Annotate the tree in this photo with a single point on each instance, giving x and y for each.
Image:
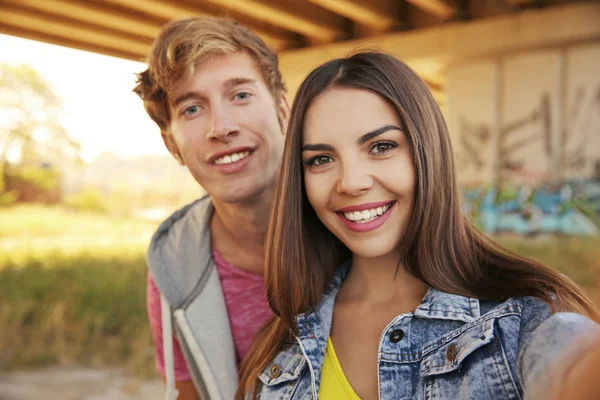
(30, 122)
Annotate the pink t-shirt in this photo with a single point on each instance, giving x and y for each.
(246, 305)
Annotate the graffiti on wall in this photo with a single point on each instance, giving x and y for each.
(517, 137)
(571, 208)
(472, 138)
(583, 124)
(529, 133)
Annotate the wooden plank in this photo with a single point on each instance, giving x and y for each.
(440, 8)
(62, 27)
(92, 13)
(519, 2)
(170, 11)
(46, 37)
(378, 15)
(298, 16)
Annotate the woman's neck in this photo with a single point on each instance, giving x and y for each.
(381, 280)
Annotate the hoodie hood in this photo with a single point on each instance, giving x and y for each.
(179, 252)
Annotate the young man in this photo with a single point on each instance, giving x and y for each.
(215, 91)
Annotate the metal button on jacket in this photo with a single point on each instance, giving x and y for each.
(452, 352)
(275, 371)
(396, 335)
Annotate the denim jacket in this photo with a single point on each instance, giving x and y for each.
(449, 347)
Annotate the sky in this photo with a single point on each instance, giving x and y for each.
(100, 109)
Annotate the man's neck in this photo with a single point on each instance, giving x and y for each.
(238, 232)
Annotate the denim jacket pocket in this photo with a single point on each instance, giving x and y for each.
(286, 367)
(456, 347)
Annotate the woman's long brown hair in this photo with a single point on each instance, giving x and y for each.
(441, 246)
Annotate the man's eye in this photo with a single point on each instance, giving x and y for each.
(383, 147)
(191, 110)
(242, 96)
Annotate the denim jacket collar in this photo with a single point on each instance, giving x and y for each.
(314, 327)
(441, 305)
(435, 305)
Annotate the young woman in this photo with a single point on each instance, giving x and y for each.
(382, 288)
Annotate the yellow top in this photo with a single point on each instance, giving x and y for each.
(334, 385)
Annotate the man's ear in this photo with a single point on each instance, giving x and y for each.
(172, 146)
(283, 112)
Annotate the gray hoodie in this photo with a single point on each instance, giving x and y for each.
(181, 262)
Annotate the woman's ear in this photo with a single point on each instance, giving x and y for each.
(170, 144)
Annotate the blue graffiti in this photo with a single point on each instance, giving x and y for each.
(571, 208)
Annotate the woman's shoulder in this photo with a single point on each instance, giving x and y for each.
(531, 312)
(538, 335)
(520, 317)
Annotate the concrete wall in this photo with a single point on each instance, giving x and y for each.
(525, 130)
(527, 118)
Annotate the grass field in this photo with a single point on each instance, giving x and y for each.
(72, 290)
(72, 286)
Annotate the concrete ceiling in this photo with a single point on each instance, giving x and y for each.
(428, 34)
(126, 28)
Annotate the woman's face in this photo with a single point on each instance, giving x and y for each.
(358, 169)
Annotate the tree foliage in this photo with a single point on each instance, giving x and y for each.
(30, 122)
(29, 108)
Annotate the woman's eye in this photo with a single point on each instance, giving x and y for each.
(191, 110)
(319, 160)
(380, 148)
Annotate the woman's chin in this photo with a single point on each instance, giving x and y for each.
(367, 251)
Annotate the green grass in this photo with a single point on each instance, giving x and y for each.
(74, 298)
(38, 223)
(72, 286)
(577, 257)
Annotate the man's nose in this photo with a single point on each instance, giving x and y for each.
(223, 125)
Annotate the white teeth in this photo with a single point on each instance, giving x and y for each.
(232, 158)
(366, 215)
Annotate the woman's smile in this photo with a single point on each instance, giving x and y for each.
(366, 217)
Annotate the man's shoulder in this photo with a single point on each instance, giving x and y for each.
(195, 209)
(179, 251)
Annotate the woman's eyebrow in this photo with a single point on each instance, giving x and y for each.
(317, 147)
(370, 135)
(361, 140)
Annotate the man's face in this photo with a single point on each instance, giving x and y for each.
(227, 128)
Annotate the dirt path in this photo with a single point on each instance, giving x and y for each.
(58, 383)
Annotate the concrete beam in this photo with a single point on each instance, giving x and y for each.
(15, 19)
(379, 15)
(300, 17)
(170, 11)
(92, 13)
(440, 8)
(430, 50)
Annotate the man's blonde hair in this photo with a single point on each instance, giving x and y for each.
(184, 43)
